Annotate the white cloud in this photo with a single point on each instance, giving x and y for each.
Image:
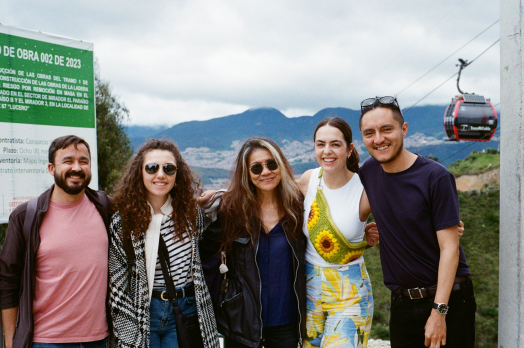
(170, 60)
(154, 110)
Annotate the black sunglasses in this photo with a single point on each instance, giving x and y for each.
(169, 169)
(257, 168)
(385, 101)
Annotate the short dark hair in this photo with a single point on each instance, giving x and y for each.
(63, 142)
(397, 113)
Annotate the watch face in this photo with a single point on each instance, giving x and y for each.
(442, 308)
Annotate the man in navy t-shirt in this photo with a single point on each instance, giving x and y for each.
(415, 205)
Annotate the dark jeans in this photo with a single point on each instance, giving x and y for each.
(408, 318)
(162, 328)
(283, 336)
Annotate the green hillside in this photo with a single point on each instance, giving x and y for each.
(476, 162)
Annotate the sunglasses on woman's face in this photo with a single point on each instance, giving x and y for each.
(168, 168)
(257, 168)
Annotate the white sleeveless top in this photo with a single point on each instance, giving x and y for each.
(344, 205)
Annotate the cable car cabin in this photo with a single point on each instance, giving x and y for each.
(470, 117)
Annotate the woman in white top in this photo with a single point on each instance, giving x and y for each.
(340, 300)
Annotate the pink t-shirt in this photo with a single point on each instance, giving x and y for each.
(71, 275)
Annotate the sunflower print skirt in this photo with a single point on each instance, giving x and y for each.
(339, 306)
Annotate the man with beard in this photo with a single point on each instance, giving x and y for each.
(415, 205)
(53, 272)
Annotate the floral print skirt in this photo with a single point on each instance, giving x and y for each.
(339, 306)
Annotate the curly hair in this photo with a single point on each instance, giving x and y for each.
(130, 193)
(240, 209)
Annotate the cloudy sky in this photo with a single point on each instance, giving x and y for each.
(175, 61)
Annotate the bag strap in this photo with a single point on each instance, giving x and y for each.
(130, 253)
(30, 214)
(102, 196)
(163, 254)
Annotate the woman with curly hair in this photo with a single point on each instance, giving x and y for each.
(262, 301)
(153, 246)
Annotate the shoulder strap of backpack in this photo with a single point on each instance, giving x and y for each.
(30, 214)
(102, 196)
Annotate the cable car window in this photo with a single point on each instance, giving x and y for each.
(475, 114)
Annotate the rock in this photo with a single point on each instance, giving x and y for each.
(378, 344)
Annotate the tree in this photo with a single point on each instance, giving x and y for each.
(432, 158)
(114, 147)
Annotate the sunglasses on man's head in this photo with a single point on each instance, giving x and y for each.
(385, 101)
(168, 168)
(257, 168)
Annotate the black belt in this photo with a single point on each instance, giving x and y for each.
(180, 293)
(418, 293)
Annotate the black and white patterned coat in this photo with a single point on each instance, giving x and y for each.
(129, 294)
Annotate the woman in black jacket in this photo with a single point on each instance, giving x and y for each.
(259, 227)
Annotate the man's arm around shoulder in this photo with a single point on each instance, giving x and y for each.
(449, 257)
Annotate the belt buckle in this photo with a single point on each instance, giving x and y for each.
(419, 292)
(162, 295)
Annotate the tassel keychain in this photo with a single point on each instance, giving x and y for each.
(223, 270)
(223, 267)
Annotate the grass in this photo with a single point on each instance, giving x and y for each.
(476, 163)
(480, 242)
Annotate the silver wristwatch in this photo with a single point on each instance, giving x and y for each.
(441, 308)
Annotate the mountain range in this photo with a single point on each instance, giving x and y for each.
(210, 146)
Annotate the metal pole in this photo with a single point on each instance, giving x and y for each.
(511, 274)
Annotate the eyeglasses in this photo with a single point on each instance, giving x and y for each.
(385, 101)
(257, 168)
(168, 168)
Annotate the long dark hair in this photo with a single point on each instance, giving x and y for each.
(240, 208)
(130, 193)
(353, 160)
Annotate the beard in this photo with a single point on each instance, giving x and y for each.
(74, 189)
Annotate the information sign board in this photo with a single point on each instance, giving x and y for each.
(46, 91)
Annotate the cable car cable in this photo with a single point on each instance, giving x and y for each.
(430, 70)
(405, 50)
(455, 74)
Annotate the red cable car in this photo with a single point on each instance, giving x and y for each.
(469, 116)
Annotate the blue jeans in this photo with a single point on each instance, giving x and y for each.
(408, 318)
(282, 336)
(94, 344)
(162, 328)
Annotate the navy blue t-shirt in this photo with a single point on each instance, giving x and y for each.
(275, 263)
(409, 207)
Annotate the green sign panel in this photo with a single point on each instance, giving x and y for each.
(44, 83)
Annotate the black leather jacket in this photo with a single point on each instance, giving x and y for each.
(239, 311)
